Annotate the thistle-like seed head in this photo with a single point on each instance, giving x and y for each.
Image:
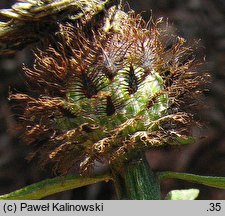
(105, 94)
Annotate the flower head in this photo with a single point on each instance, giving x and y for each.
(104, 94)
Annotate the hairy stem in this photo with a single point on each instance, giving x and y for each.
(138, 182)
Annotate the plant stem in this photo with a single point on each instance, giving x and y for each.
(51, 186)
(138, 182)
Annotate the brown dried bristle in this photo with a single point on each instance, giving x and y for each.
(103, 95)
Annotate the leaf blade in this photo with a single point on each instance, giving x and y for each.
(211, 181)
(51, 186)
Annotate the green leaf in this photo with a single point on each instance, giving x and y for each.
(189, 194)
(211, 181)
(51, 186)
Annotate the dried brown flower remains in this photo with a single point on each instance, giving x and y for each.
(104, 94)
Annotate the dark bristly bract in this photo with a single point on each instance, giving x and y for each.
(107, 93)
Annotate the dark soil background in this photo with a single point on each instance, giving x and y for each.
(192, 19)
